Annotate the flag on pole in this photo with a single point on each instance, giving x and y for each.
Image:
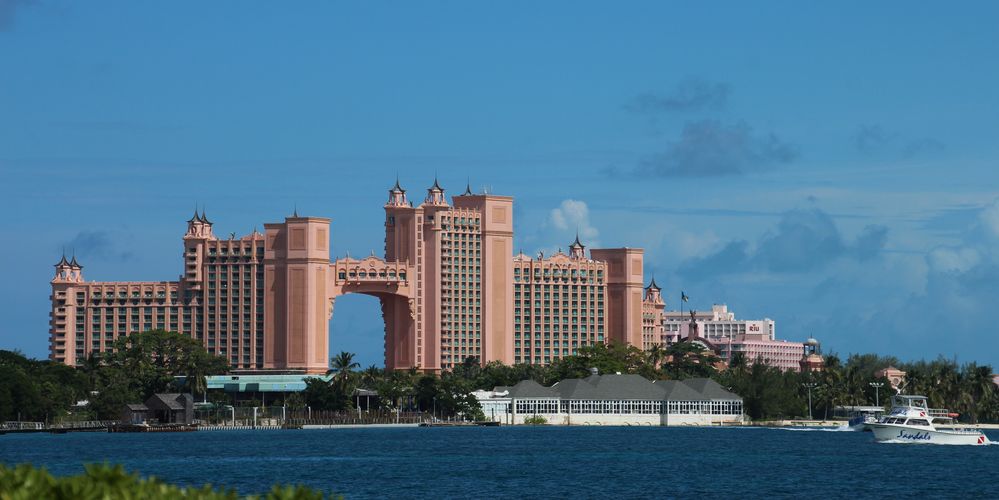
(684, 297)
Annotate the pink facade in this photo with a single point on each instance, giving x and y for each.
(449, 284)
(559, 305)
(755, 340)
(218, 300)
(782, 354)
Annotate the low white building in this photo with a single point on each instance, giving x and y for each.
(614, 400)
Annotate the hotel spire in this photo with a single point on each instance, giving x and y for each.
(397, 195)
(577, 250)
(435, 195)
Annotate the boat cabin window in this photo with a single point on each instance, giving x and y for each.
(918, 421)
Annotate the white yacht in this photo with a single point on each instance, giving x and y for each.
(910, 421)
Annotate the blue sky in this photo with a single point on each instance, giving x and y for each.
(832, 167)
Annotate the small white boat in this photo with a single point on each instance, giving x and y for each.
(858, 416)
(910, 421)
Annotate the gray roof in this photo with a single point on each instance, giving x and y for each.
(709, 389)
(623, 387)
(137, 407)
(575, 388)
(170, 400)
(531, 389)
(678, 391)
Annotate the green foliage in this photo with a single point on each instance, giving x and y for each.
(295, 401)
(153, 358)
(146, 363)
(767, 392)
(325, 396)
(37, 390)
(105, 481)
(535, 420)
(140, 365)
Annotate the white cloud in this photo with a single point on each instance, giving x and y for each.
(953, 259)
(989, 218)
(562, 224)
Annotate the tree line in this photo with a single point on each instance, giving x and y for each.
(137, 367)
(143, 364)
(768, 393)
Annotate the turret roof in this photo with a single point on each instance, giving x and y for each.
(397, 188)
(653, 285)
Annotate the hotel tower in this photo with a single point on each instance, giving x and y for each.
(449, 284)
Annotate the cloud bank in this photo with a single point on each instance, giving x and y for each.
(710, 148)
(96, 245)
(874, 140)
(688, 96)
(803, 241)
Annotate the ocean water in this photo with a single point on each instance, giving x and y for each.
(535, 462)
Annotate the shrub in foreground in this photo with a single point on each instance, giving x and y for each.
(25, 482)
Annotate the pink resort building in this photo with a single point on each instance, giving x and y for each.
(755, 340)
(449, 283)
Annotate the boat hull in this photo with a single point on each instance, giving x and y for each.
(907, 434)
(860, 423)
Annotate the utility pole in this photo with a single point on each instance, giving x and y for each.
(809, 386)
(877, 389)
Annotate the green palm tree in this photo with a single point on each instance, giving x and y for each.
(195, 379)
(342, 366)
(370, 375)
(90, 366)
(655, 355)
(980, 388)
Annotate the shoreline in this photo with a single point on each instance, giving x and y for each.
(816, 424)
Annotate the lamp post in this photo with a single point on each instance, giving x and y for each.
(809, 386)
(877, 389)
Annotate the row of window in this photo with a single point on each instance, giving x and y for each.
(235, 251)
(611, 407)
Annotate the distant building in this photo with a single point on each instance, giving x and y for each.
(266, 388)
(169, 408)
(495, 403)
(614, 400)
(812, 360)
(718, 329)
(895, 376)
(451, 287)
(717, 325)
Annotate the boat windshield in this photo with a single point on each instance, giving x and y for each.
(918, 421)
(910, 401)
